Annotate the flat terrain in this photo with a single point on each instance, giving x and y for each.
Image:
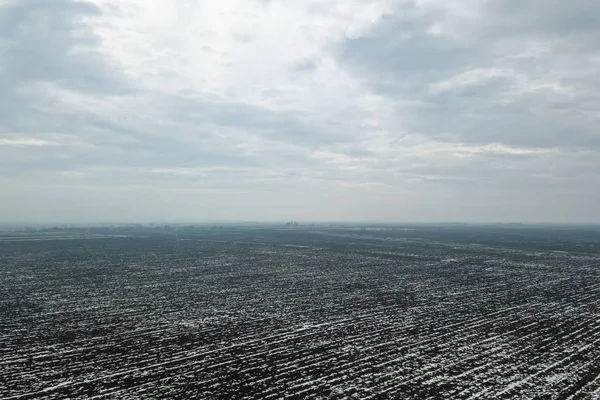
(297, 314)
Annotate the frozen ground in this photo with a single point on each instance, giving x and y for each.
(288, 314)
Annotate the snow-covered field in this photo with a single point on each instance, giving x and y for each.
(296, 315)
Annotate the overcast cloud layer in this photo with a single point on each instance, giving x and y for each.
(188, 110)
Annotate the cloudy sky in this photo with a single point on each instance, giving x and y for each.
(400, 110)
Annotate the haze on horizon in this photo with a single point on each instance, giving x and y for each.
(343, 110)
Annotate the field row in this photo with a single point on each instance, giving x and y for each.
(337, 317)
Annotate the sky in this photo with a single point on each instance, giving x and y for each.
(267, 110)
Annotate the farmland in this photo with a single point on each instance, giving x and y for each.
(272, 314)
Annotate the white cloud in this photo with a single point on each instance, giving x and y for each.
(469, 78)
(23, 142)
(333, 101)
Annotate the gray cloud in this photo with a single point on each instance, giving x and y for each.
(520, 73)
(48, 42)
(306, 65)
(383, 109)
